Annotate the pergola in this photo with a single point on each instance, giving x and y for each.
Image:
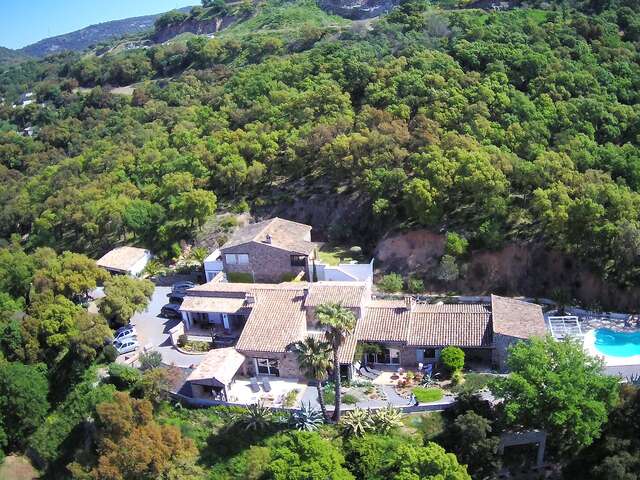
(215, 373)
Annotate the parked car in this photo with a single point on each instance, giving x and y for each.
(127, 332)
(182, 286)
(127, 345)
(171, 310)
(177, 300)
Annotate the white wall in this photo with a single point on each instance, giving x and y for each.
(345, 272)
(213, 265)
(140, 265)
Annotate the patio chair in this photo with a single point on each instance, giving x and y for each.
(266, 386)
(255, 388)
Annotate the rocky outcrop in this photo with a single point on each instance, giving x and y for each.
(358, 9)
(198, 27)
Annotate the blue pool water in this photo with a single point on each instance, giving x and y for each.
(617, 344)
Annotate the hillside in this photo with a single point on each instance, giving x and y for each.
(473, 123)
(10, 57)
(80, 40)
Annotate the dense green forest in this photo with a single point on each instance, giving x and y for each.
(522, 125)
(517, 125)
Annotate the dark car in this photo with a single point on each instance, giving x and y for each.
(171, 310)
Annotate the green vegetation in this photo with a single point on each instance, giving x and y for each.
(125, 296)
(473, 382)
(239, 277)
(559, 387)
(338, 322)
(427, 394)
(519, 126)
(391, 283)
(452, 359)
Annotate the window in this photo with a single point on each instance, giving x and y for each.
(429, 353)
(236, 258)
(267, 366)
(298, 260)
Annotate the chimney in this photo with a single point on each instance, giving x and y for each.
(268, 238)
(409, 303)
(305, 292)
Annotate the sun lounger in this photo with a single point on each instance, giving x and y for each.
(255, 388)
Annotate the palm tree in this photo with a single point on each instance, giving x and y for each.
(339, 322)
(314, 358)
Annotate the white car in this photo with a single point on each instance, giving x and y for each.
(127, 345)
(124, 333)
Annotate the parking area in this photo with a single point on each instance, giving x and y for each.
(153, 331)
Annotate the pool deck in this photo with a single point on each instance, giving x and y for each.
(622, 366)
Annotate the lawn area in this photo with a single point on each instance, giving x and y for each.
(336, 254)
(472, 382)
(17, 467)
(427, 395)
(428, 425)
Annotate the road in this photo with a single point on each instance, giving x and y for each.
(153, 331)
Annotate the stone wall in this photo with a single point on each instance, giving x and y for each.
(287, 363)
(266, 263)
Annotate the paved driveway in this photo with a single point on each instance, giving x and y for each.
(153, 331)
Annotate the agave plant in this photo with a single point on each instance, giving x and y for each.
(356, 422)
(634, 379)
(386, 419)
(255, 417)
(307, 418)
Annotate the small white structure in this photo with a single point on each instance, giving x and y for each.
(125, 260)
(213, 264)
(565, 326)
(344, 272)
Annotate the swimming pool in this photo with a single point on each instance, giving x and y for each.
(617, 344)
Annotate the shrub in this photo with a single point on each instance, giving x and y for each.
(427, 395)
(60, 427)
(448, 270)
(457, 378)
(415, 285)
(123, 376)
(149, 360)
(391, 283)
(109, 354)
(349, 399)
(452, 358)
(182, 340)
(290, 398)
(239, 277)
(455, 245)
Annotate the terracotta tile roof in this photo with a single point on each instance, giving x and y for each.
(459, 329)
(122, 258)
(284, 234)
(347, 350)
(516, 318)
(347, 294)
(384, 323)
(212, 304)
(463, 325)
(217, 367)
(276, 321)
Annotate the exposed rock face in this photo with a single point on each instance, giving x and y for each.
(193, 26)
(358, 9)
